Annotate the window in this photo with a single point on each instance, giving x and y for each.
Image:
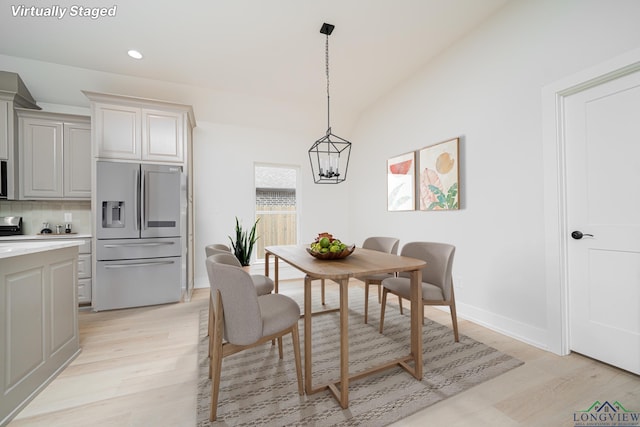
(276, 206)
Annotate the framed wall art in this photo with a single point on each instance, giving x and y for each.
(439, 176)
(401, 178)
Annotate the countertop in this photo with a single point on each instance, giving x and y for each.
(27, 237)
(11, 249)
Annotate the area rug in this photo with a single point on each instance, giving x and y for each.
(257, 388)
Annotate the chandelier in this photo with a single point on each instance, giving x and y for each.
(329, 155)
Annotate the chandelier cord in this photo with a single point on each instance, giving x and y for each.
(327, 71)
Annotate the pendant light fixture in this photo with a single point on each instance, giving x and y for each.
(329, 155)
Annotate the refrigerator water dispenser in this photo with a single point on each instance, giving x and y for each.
(113, 214)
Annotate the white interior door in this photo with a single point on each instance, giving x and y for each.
(602, 131)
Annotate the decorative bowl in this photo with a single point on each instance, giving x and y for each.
(333, 255)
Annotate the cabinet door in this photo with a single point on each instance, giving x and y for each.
(162, 135)
(84, 291)
(117, 131)
(41, 158)
(4, 130)
(77, 160)
(84, 266)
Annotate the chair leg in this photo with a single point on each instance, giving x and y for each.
(280, 354)
(215, 366)
(366, 301)
(379, 293)
(210, 324)
(400, 303)
(210, 327)
(212, 331)
(322, 290)
(382, 305)
(296, 354)
(454, 317)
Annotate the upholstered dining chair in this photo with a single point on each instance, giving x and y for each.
(210, 249)
(244, 320)
(437, 279)
(383, 244)
(264, 285)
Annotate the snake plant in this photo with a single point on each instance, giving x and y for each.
(243, 244)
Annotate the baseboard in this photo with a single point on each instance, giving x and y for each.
(512, 328)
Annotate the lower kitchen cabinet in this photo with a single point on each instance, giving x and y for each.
(38, 323)
(84, 273)
(85, 264)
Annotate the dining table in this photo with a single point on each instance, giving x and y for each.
(362, 262)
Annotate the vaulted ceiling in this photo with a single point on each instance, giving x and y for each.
(264, 48)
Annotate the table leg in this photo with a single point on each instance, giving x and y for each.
(417, 315)
(266, 263)
(307, 335)
(276, 279)
(344, 343)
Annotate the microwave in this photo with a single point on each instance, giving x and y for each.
(3, 179)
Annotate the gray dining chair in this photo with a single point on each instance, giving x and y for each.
(437, 279)
(245, 320)
(264, 285)
(383, 244)
(210, 249)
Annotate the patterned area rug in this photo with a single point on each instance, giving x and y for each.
(257, 388)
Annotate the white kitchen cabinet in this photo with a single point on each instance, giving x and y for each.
(77, 160)
(38, 322)
(162, 135)
(85, 258)
(85, 266)
(55, 155)
(117, 131)
(138, 129)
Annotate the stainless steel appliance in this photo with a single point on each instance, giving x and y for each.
(140, 246)
(10, 225)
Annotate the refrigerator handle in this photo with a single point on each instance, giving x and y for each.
(137, 202)
(144, 198)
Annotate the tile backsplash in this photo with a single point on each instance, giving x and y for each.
(34, 213)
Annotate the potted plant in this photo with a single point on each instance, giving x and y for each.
(242, 246)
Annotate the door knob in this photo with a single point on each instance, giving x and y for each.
(579, 235)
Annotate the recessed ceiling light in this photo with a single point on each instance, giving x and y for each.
(134, 54)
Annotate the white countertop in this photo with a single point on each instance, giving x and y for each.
(52, 236)
(11, 249)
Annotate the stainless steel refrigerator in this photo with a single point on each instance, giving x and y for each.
(140, 231)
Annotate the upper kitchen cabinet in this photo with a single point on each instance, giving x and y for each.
(13, 94)
(117, 131)
(129, 128)
(55, 155)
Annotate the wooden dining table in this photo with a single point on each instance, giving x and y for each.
(361, 262)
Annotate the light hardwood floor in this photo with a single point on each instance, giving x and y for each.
(138, 368)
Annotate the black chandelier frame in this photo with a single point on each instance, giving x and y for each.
(327, 154)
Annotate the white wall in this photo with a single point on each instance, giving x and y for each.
(224, 161)
(487, 89)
